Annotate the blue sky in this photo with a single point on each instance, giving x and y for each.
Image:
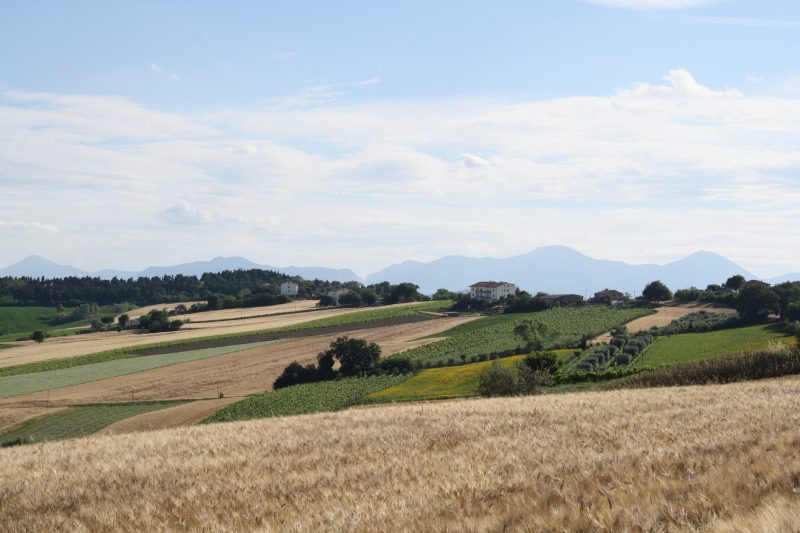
(358, 134)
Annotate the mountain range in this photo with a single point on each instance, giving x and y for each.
(551, 269)
(36, 266)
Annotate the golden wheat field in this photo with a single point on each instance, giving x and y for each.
(723, 457)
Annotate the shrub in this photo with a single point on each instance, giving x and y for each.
(546, 361)
(39, 336)
(497, 380)
(623, 359)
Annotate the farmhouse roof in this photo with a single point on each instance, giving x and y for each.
(489, 284)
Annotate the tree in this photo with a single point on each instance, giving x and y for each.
(535, 334)
(39, 336)
(404, 292)
(294, 374)
(756, 301)
(356, 356)
(444, 294)
(350, 299)
(123, 320)
(655, 291)
(734, 283)
(498, 380)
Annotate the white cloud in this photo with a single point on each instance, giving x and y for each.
(644, 174)
(21, 225)
(185, 213)
(653, 4)
(159, 69)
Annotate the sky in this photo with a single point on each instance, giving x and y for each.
(360, 134)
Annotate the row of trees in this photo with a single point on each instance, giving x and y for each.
(754, 300)
(355, 357)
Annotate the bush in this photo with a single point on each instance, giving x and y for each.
(623, 359)
(497, 380)
(39, 336)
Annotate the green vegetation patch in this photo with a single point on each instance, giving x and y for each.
(78, 421)
(54, 379)
(495, 335)
(19, 321)
(689, 347)
(439, 383)
(306, 398)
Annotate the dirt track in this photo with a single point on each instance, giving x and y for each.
(235, 375)
(663, 316)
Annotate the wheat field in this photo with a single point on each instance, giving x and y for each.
(719, 458)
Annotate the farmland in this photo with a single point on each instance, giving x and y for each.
(78, 421)
(122, 343)
(690, 347)
(40, 381)
(676, 459)
(239, 373)
(439, 383)
(19, 321)
(496, 334)
(307, 398)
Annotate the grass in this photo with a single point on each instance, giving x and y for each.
(493, 335)
(19, 321)
(79, 421)
(439, 383)
(27, 383)
(367, 316)
(306, 398)
(668, 459)
(688, 347)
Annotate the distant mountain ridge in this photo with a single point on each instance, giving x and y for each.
(552, 269)
(560, 269)
(37, 266)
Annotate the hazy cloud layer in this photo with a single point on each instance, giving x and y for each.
(650, 173)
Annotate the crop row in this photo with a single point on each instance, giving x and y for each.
(306, 398)
(568, 326)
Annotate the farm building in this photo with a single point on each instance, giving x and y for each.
(563, 299)
(336, 293)
(608, 295)
(491, 291)
(289, 288)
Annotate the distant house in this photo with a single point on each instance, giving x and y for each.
(337, 293)
(289, 289)
(608, 296)
(491, 291)
(563, 299)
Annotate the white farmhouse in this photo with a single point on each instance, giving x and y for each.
(336, 293)
(491, 291)
(289, 289)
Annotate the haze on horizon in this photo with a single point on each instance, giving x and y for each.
(357, 136)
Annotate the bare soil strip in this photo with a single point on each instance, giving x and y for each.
(235, 375)
(60, 347)
(677, 459)
(181, 415)
(664, 315)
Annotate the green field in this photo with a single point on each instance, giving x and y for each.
(79, 421)
(688, 347)
(54, 379)
(306, 398)
(495, 334)
(363, 317)
(20, 321)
